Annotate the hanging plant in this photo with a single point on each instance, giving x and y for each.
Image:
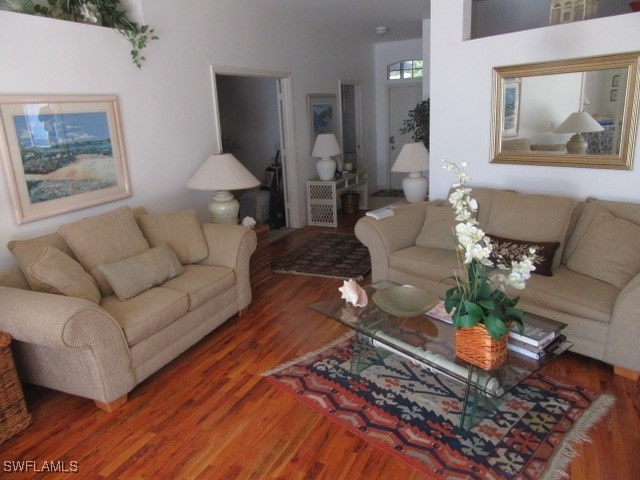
(100, 12)
(418, 123)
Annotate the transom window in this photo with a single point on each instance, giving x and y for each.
(405, 69)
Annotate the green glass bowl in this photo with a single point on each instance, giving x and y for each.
(404, 301)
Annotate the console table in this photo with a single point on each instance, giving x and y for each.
(322, 197)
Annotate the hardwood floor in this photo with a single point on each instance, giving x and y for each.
(210, 415)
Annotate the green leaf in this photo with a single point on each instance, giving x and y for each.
(495, 326)
(465, 321)
(474, 311)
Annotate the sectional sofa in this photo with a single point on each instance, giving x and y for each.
(98, 306)
(590, 272)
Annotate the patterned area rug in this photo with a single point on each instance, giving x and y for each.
(327, 255)
(411, 413)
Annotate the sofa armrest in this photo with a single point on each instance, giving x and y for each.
(57, 323)
(232, 246)
(390, 234)
(624, 332)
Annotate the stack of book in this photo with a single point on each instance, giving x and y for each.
(540, 336)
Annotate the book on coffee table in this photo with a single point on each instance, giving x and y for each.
(538, 331)
(534, 352)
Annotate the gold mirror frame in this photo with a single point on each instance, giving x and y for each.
(622, 161)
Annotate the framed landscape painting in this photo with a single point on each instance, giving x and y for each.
(61, 154)
(321, 109)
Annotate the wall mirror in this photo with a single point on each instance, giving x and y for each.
(573, 113)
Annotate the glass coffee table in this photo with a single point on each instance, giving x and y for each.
(430, 343)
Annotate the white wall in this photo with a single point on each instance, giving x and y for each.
(166, 108)
(461, 100)
(386, 54)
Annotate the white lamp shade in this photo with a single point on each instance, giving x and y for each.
(579, 122)
(413, 157)
(222, 172)
(326, 145)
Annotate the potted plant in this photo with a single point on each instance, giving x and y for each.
(418, 123)
(482, 309)
(100, 12)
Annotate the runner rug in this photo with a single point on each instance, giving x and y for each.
(411, 413)
(327, 255)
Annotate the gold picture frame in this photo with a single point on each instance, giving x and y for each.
(61, 153)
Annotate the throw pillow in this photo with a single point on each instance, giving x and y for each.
(507, 249)
(63, 275)
(608, 250)
(136, 274)
(28, 251)
(104, 239)
(438, 230)
(538, 218)
(181, 230)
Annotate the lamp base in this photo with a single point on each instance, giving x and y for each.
(577, 144)
(224, 208)
(326, 168)
(415, 187)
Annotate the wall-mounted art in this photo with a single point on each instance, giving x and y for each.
(61, 153)
(321, 109)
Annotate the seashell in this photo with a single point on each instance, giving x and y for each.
(353, 293)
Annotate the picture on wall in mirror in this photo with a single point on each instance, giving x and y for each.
(511, 107)
(61, 154)
(321, 110)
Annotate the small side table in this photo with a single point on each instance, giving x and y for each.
(13, 411)
(260, 263)
(322, 197)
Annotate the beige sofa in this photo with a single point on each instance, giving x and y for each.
(106, 301)
(594, 285)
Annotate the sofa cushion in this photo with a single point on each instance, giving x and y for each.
(104, 239)
(201, 283)
(63, 275)
(507, 250)
(134, 275)
(145, 314)
(608, 250)
(435, 264)
(572, 293)
(28, 251)
(534, 218)
(181, 230)
(623, 210)
(438, 230)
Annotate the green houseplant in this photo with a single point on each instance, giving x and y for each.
(102, 12)
(418, 123)
(479, 297)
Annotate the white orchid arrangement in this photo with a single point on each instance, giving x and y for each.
(474, 298)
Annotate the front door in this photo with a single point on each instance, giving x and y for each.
(402, 99)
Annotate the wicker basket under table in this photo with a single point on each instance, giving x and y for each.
(13, 411)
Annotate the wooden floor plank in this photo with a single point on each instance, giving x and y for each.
(210, 414)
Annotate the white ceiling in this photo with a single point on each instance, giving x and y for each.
(358, 17)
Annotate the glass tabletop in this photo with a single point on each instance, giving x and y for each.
(430, 342)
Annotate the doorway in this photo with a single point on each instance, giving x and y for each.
(351, 123)
(254, 121)
(402, 99)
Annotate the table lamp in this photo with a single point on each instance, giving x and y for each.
(325, 147)
(413, 159)
(221, 173)
(577, 123)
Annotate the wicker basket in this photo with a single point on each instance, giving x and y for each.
(475, 345)
(13, 412)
